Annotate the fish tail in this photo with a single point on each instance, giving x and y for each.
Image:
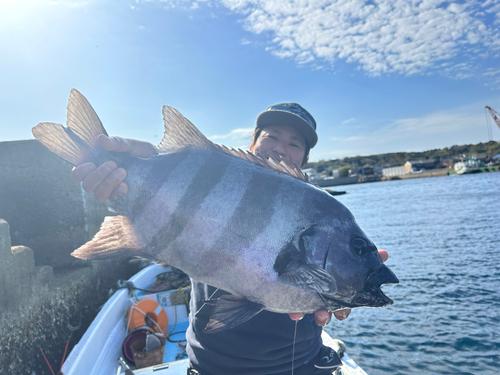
(115, 238)
(76, 143)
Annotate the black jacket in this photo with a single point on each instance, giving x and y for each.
(260, 346)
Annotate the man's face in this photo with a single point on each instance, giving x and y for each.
(281, 140)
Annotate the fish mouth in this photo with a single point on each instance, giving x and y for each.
(370, 296)
(383, 275)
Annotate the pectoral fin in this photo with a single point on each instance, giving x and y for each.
(293, 269)
(308, 276)
(231, 311)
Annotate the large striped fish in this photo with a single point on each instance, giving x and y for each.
(245, 224)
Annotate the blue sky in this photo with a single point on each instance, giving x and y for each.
(378, 76)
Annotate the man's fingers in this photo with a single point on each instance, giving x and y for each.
(342, 314)
(384, 255)
(106, 188)
(106, 181)
(322, 317)
(131, 146)
(142, 149)
(116, 144)
(296, 316)
(81, 171)
(95, 178)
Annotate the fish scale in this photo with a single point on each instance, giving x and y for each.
(253, 227)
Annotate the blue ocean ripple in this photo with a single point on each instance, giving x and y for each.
(444, 245)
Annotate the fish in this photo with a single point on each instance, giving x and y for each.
(248, 224)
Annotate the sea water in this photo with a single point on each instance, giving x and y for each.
(443, 239)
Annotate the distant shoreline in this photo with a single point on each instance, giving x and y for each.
(329, 182)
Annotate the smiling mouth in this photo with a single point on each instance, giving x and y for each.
(276, 157)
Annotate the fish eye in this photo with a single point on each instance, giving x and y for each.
(360, 246)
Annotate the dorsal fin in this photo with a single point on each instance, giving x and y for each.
(180, 133)
(269, 163)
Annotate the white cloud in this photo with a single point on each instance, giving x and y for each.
(348, 120)
(237, 138)
(378, 36)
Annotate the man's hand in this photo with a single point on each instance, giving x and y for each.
(323, 317)
(106, 181)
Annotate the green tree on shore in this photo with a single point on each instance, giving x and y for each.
(490, 148)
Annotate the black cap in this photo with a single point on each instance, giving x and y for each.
(291, 114)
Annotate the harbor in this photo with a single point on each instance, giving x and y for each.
(330, 177)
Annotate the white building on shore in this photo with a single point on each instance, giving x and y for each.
(393, 171)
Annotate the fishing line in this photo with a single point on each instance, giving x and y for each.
(293, 346)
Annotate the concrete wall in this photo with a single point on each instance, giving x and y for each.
(431, 173)
(46, 209)
(43, 288)
(336, 181)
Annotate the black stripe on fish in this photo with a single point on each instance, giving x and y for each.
(254, 213)
(201, 185)
(161, 167)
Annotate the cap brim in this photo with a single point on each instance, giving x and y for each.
(277, 117)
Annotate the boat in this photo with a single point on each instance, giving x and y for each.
(335, 192)
(104, 348)
(467, 166)
(322, 180)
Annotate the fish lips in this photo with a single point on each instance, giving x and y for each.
(370, 296)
